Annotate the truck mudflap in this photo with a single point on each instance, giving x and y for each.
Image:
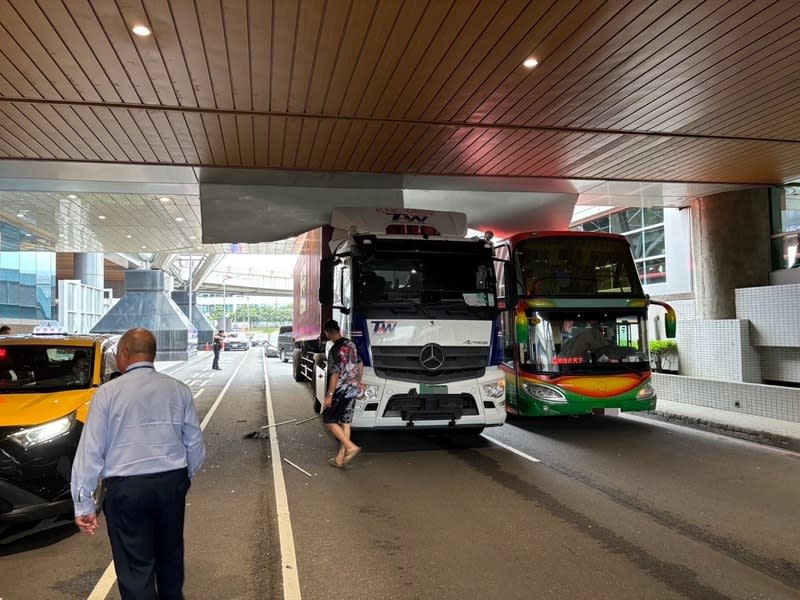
(431, 407)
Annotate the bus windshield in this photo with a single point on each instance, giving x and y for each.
(564, 341)
(576, 266)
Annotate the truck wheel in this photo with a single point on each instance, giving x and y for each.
(283, 356)
(296, 364)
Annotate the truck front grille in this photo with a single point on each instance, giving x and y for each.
(402, 363)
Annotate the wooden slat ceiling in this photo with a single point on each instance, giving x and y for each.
(692, 91)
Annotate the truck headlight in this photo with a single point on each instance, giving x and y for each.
(370, 392)
(496, 389)
(646, 392)
(41, 434)
(544, 393)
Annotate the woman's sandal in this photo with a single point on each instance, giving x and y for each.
(332, 462)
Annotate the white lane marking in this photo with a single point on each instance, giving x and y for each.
(109, 577)
(104, 585)
(510, 449)
(200, 391)
(291, 583)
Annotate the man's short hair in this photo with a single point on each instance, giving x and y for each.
(331, 325)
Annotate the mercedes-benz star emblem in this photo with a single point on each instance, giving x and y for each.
(431, 357)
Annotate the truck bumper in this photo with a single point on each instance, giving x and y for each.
(391, 404)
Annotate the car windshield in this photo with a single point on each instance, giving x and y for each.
(38, 368)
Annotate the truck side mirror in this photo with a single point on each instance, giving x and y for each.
(326, 281)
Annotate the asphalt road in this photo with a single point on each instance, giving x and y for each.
(616, 507)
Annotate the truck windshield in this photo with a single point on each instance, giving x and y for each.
(436, 278)
(567, 266)
(567, 342)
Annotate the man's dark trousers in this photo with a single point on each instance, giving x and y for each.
(215, 364)
(145, 525)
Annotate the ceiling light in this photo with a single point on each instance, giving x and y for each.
(179, 219)
(164, 199)
(530, 62)
(141, 30)
(129, 236)
(101, 217)
(192, 237)
(21, 215)
(27, 235)
(72, 196)
(143, 247)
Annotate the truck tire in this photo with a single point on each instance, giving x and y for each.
(296, 364)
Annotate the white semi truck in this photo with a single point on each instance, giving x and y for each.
(419, 300)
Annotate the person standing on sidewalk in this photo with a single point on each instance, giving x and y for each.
(143, 440)
(219, 341)
(345, 371)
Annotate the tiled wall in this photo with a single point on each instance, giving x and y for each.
(772, 401)
(718, 350)
(774, 312)
(780, 364)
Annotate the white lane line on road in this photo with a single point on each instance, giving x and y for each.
(104, 585)
(109, 577)
(291, 583)
(510, 449)
(200, 391)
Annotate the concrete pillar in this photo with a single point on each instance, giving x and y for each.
(88, 267)
(730, 247)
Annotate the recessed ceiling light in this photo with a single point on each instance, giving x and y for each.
(143, 247)
(141, 30)
(164, 199)
(21, 215)
(530, 62)
(192, 237)
(129, 236)
(101, 217)
(72, 196)
(27, 235)
(179, 219)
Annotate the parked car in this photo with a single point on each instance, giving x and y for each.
(270, 351)
(285, 343)
(236, 341)
(259, 339)
(46, 386)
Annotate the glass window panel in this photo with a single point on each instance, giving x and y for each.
(654, 270)
(654, 241)
(653, 216)
(636, 241)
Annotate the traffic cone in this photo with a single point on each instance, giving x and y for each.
(208, 346)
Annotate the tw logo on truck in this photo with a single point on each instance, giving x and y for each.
(379, 327)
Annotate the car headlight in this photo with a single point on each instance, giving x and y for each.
(41, 434)
(646, 392)
(544, 393)
(496, 389)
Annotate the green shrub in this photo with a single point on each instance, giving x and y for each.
(661, 351)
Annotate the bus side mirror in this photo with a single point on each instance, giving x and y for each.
(670, 320)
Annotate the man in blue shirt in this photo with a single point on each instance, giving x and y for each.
(143, 439)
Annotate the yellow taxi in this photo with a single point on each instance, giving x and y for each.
(46, 385)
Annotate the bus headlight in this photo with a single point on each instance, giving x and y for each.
(496, 389)
(544, 393)
(41, 434)
(646, 392)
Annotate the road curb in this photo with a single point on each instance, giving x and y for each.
(752, 435)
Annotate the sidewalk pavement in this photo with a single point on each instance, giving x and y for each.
(764, 430)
